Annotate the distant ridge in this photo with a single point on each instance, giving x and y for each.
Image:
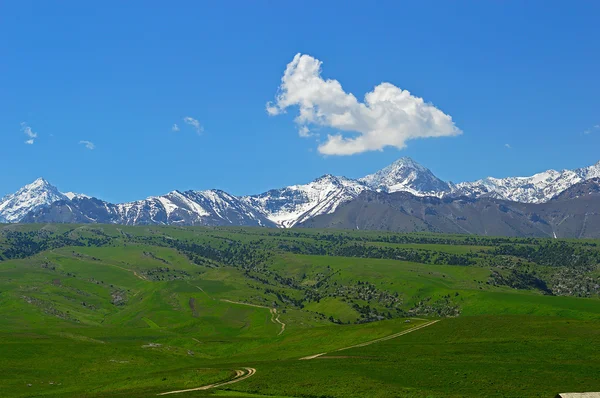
(284, 207)
(573, 214)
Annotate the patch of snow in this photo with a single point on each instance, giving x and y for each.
(73, 195)
(169, 206)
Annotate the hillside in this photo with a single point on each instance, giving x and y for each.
(137, 311)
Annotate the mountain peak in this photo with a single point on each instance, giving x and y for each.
(39, 193)
(405, 174)
(326, 177)
(41, 182)
(40, 186)
(407, 161)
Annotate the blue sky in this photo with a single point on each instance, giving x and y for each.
(121, 74)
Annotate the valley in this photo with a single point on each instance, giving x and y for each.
(110, 310)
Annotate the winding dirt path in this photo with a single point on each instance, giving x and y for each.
(273, 311)
(275, 319)
(274, 314)
(243, 374)
(239, 376)
(391, 336)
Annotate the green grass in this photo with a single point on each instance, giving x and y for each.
(334, 307)
(77, 365)
(135, 316)
(509, 356)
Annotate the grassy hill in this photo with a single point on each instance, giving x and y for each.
(103, 310)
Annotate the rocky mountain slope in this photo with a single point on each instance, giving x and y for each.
(586, 188)
(574, 213)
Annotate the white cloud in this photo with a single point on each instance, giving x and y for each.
(88, 144)
(304, 132)
(508, 146)
(29, 133)
(175, 127)
(389, 116)
(590, 130)
(194, 123)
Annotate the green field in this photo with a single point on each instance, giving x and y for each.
(104, 310)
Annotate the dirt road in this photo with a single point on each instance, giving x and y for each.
(275, 319)
(248, 304)
(249, 372)
(391, 336)
(239, 376)
(273, 311)
(274, 314)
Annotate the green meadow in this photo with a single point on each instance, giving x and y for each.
(106, 310)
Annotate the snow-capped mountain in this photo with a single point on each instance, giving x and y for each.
(575, 213)
(538, 188)
(211, 207)
(408, 176)
(285, 207)
(297, 203)
(31, 197)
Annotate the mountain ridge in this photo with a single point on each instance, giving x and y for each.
(283, 207)
(537, 188)
(573, 214)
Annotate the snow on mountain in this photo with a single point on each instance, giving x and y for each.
(285, 207)
(31, 197)
(538, 188)
(211, 207)
(73, 195)
(587, 188)
(409, 176)
(291, 205)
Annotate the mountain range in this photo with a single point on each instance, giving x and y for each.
(574, 213)
(298, 205)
